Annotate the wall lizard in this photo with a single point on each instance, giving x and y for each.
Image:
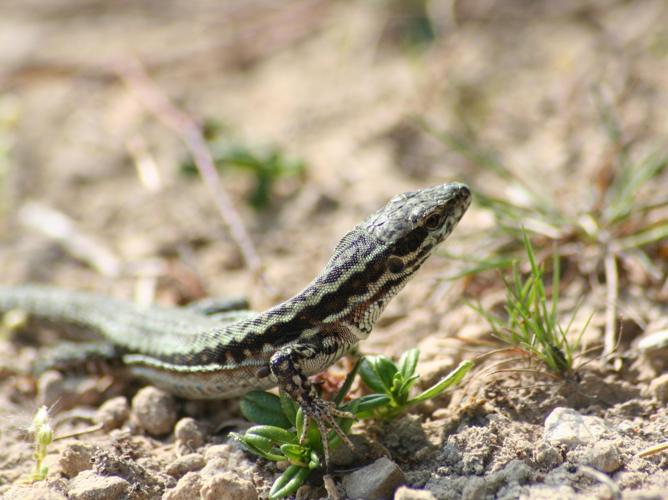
(198, 356)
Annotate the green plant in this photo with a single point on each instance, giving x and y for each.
(282, 440)
(623, 223)
(266, 163)
(43, 436)
(531, 323)
(283, 436)
(394, 381)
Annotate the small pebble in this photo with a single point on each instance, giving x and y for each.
(187, 463)
(658, 388)
(189, 436)
(566, 426)
(228, 486)
(376, 481)
(603, 456)
(113, 413)
(222, 451)
(76, 458)
(89, 486)
(547, 456)
(406, 493)
(154, 410)
(187, 488)
(35, 491)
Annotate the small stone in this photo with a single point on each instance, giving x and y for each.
(228, 486)
(76, 458)
(221, 451)
(187, 463)
(603, 456)
(516, 472)
(187, 488)
(375, 481)
(659, 388)
(36, 491)
(90, 486)
(566, 426)
(406, 493)
(474, 488)
(113, 413)
(154, 410)
(363, 450)
(547, 456)
(189, 436)
(213, 467)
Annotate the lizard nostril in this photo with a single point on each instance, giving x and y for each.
(464, 191)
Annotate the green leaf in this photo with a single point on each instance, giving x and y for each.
(454, 377)
(403, 390)
(370, 377)
(296, 454)
(367, 404)
(259, 445)
(644, 237)
(314, 463)
(385, 369)
(352, 406)
(408, 362)
(276, 434)
(313, 438)
(289, 482)
(300, 423)
(289, 407)
(263, 408)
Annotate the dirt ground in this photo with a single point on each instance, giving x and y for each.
(364, 95)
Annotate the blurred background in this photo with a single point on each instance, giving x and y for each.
(163, 150)
(316, 112)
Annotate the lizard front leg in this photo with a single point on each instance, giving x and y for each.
(288, 366)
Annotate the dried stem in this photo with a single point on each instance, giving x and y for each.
(611, 280)
(190, 131)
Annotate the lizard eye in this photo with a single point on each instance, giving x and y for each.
(434, 221)
(395, 265)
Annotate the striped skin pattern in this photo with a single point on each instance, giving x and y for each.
(197, 356)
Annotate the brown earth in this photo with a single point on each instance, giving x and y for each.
(342, 86)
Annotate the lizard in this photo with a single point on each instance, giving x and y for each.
(197, 355)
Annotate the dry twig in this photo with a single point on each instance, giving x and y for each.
(612, 293)
(59, 227)
(190, 131)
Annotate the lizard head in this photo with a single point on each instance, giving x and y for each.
(391, 244)
(412, 224)
(377, 258)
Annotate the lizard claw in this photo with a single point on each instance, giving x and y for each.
(324, 414)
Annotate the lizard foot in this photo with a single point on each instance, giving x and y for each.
(324, 414)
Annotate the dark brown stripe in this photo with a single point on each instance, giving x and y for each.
(411, 242)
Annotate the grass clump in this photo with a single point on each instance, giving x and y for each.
(531, 323)
(267, 164)
(621, 229)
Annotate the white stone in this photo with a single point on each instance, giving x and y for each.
(565, 426)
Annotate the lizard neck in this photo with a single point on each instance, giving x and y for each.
(350, 292)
